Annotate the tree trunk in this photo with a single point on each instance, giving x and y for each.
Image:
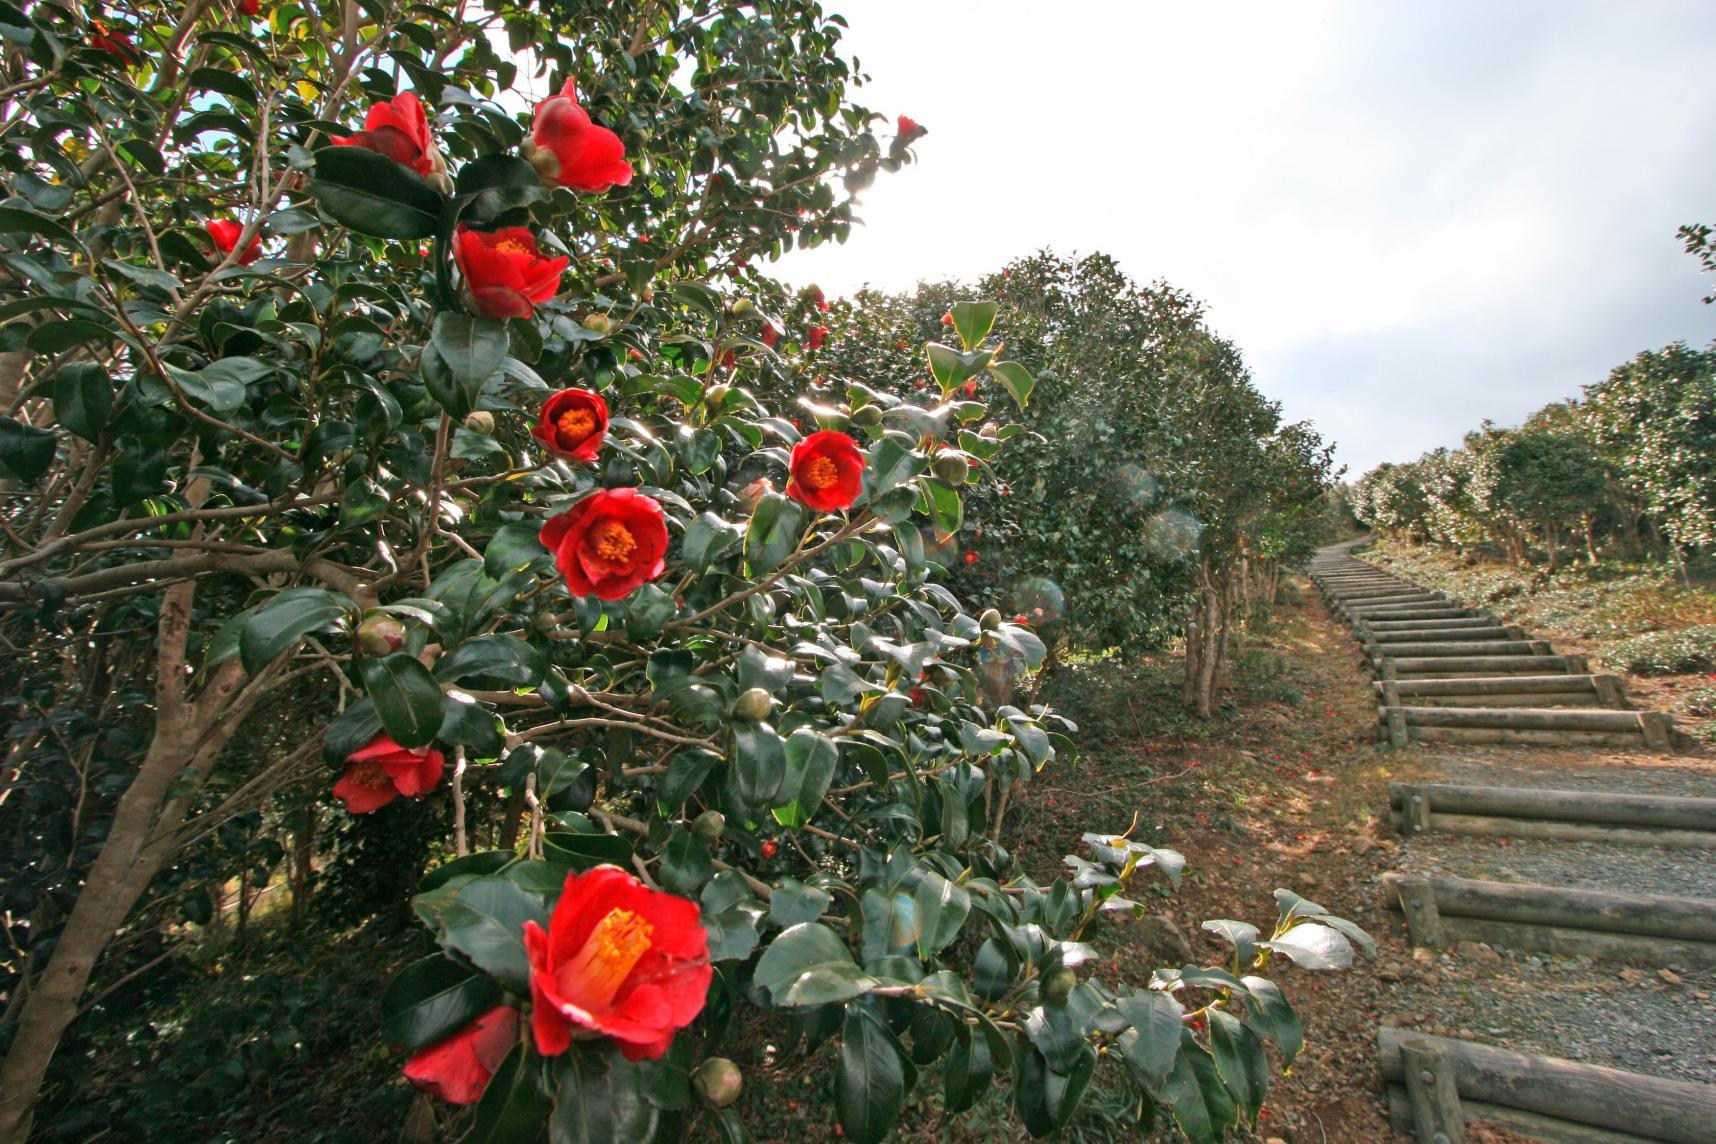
(187, 737)
(304, 863)
(1591, 538)
(1552, 539)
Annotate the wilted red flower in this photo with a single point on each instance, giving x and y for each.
(226, 233)
(381, 770)
(573, 423)
(969, 388)
(505, 272)
(458, 1069)
(399, 129)
(618, 960)
(113, 43)
(901, 344)
(568, 149)
(827, 471)
(970, 557)
(818, 335)
(770, 848)
(608, 544)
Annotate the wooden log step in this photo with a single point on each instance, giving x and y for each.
(1647, 915)
(1414, 634)
(1395, 600)
(1546, 691)
(1357, 595)
(1532, 1125)
(1552, 1089)
(1529, 719)
(1454, 624)
(1415, 610)
(1453, 666)
(1562, 805)
(1499, 826)
(1461, 647)
(1400, 725)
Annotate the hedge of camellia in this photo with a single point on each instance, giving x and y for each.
(340, 372)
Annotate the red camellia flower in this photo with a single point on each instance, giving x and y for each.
(250, 7)
(908, 125)
(771, 336)
(399, 129)
(574, 423)
(969, 557)
(969, 388)
(770, 848)
(619, 960)
(113, 43)
(226, 232)
(818, 335)
(381, 770)
(505, 272)
(568, 149)
(1022, 621)
(458, 1068)
(947, 318)
(608, 544)
(827, 471)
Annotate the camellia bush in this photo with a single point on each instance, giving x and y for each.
(380, 435)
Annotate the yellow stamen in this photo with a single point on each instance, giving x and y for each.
(371, 774)
(819, 473)
(576, 424)
(591, 977)
(514, 246)
(612, 540)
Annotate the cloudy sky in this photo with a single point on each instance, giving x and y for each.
(1411, 217)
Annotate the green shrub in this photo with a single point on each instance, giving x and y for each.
(1666, 653)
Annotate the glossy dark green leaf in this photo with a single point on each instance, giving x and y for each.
(26, 451)
(406, 697)
(952, 368)
(83, 399)
(759, 763)
(483, 920)
(972, 321)
(599, 1098)
(1240, 1060)
(967, 1071)
(1150, 1046)
(1015, 379)
(873, 1079)
(810, 761)
(1268, 1012)
(707, 538)
(374, 195)
(285, 618)
(1046, 1099)
(946, 507)
(492, 662)
(796, 952)
(472, 347)
(942, 907)
(432, 999)
(775, 529)
(515, 1104)
(891, 464)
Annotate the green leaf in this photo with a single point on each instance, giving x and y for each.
(432, 999)
(374, 195)
(967, 1071)
(810, 761)
(891, 465)
(1149, 1047)
(513, 548)
(54, 337)
(951, 368)
(484, 921)
(942, 907)
(946, 509)
(685, 862)
(482, 862)
(776, 526)
(26, 451)
(794, 902)
(1015, 379)
(1046, 1099)
(972, 321)
(585, 851)
(514, 1104)
(1194, 1092)
(490, 186)
(1313, 945)
(17, 220)
(472, 348)
(796, 952)
(759, 763)
(599, 1098)
(874, 1076)
(1240, 1060)
(406, 697)
(279, 623)
(221, 385)
(83, 399)
(707, 539)
(492, 662)
(1268, 1012)
(1241, 935)
(840, 684)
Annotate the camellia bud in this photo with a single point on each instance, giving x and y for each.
(951, 467)
(990, 619)
(741, 307)
(1059, 985)
(380, 635)
(598, 324)
(990, 429)
(753, 704)
(545, 622)
(754, 492)
(718, 1082)
(867, 416)
(709, 825)
(716, 394)
(482, 421)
